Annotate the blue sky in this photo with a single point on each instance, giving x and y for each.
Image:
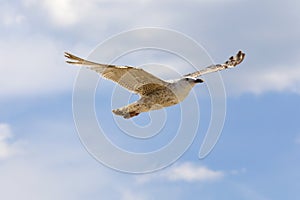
(257, 156)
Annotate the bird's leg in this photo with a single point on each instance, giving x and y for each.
(132, 114)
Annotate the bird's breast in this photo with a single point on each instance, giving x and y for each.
(168, 96)
(181, 91)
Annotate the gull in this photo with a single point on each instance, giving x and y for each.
(154, 92)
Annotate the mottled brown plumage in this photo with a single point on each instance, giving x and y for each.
(155, 93)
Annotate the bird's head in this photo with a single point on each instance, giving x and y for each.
(192, 80)
(181, 87)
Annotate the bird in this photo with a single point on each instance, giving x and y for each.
(154, 92)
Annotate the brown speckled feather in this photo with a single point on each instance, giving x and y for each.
(155, 93)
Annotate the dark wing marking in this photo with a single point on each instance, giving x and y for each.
(232, 62)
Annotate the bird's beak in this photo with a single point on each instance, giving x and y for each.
(198, 80)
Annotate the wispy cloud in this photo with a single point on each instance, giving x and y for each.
(190, 172)
(34, 35)
(31, 66)
(266, 79)
(186, 172)
(8, 148)
(51, 168)
(36, 60)
(127, 194)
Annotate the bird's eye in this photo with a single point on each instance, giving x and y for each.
(186, 79)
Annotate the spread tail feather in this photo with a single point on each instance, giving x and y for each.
(125, 113)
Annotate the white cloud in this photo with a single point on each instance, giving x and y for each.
(266, 79)
(52, 168)
(187, 172)
(10, 15)
(190, 172)
(72, 12)
(98, 18)
(8, 149)
(67, 12)
(63, 12)
(33, 66)
(9, 19)
(127, 194)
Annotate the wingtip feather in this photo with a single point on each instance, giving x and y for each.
(73, 59)
(235, 60)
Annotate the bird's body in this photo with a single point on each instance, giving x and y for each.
(168, 95)
(155, 93)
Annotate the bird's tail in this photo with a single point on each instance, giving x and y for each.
(125, 112)
(78, 61)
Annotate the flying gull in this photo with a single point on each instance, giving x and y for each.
(155, 93)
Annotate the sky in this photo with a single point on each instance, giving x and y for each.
(257, 155)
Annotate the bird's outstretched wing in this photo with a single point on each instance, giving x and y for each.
(232, 62)
(134, 79)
